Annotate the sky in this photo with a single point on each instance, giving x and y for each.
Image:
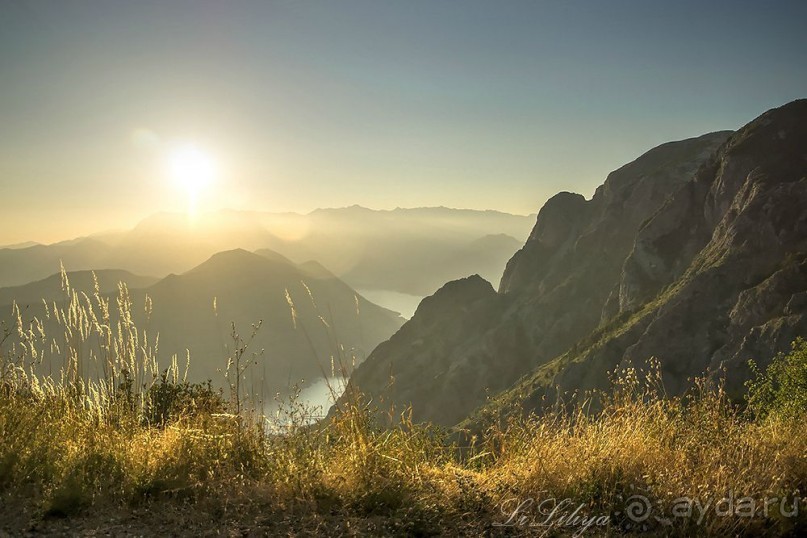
(306, 104)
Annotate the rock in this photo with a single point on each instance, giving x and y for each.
(425, 364)
(695, 253)
(553, 293)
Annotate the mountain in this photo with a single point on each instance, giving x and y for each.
(166, 243)
(407, 250)
(330, 319)
(412, 251)
(420, 265)
(27, 264)
(695, 253)
(50, 288)
(24, 244)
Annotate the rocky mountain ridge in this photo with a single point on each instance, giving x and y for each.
(693, 253)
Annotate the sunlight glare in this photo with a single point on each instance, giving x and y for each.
(194, 171)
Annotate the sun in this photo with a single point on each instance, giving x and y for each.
(194, 171)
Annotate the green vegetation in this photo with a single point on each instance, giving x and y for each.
(137, 440)
(782, 389)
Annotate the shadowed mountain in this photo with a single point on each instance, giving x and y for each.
(50, 288)
(28, 264)
(329, 318)
(695, 253)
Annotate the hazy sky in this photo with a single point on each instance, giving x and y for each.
(308, 104)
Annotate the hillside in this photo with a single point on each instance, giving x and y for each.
(19, 266)
(330, 319)
(50, 288)
(693, 253)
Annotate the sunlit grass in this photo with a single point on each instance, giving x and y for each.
(136, 436)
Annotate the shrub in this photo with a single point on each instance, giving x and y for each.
(167, 400)
(782, 388)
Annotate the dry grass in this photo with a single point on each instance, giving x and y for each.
(84, 445)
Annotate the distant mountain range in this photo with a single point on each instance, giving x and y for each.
(406, 250)
(695, 253)
(50, 288)
(24, 244)
(330, 319)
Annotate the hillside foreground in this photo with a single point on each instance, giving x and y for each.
(150, 454)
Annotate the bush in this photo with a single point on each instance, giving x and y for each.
(782, 389)
(167, 400)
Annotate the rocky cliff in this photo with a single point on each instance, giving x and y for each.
(719, 274)
(586, 264)
(695, 253)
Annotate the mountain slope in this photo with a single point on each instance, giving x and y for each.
(718, 275)
(554, 291)
(695, 253)
(731, 248)
(329, 319)
(50, 288)
(20, 266)
(247, 287)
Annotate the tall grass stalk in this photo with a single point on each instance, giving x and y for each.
(109, 429)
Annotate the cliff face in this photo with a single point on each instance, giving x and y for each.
(464, 345)
(695, 253)
(719, 274)
(436, 361)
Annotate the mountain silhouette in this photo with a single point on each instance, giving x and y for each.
(408, 250)
(330, 319)
(51, 289)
